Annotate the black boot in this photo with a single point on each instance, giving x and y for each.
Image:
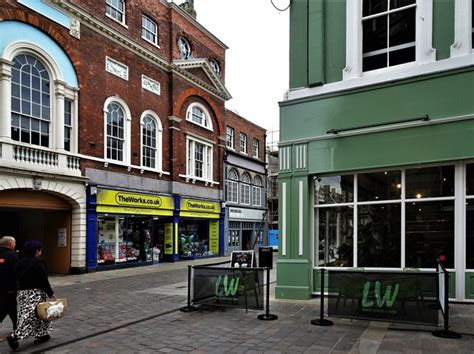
(13, 342)
(42, 339)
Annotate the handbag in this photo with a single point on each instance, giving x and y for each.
(51, 310)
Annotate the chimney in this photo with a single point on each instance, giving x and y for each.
(188, 6)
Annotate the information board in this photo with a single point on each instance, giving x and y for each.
(241, 259)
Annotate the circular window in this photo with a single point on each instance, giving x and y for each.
(184, 48)
(215, 66)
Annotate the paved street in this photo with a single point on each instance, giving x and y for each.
(137, 310)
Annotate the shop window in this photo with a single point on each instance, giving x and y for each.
(245, 189)
(470, 216)
(385, 185)
(149, 30)
(115, 9)
(151, 141)
(257, 191)
(233, 186)
(389, 33)
(193, 239)
(430, 182)
(379, 235)
(234, 238)
(199, 115)
(334, 237)
(334, 189)
(124, 239)
(229, 140)
(30, 101)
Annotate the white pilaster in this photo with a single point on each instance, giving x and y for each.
(462, 28)
(58, 123)
(5, 98)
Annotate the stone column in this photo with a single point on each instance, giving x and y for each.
(58, 118)
(5, 98)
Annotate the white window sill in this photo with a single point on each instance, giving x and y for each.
(114, 19)
(199, 125)
(148, 169)
(193, 180)
(152, 43)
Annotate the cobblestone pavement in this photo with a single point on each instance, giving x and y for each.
(137, 311)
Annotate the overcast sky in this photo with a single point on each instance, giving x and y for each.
(257, 59)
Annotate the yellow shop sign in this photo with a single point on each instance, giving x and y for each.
(110, 201)
(199, 209)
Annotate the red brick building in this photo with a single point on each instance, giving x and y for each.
(112, 117)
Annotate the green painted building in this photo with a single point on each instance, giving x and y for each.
(376, 154)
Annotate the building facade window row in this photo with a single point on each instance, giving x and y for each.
(244, 190)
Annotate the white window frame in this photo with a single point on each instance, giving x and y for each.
(233, 188)
(207, 123)
(155, 34)
(108, 3)
(159, 141)
(229, 137)
(126, 161)
(257, 191)
(245, 190)
(255, 148)
(59, 91)
(207, 167)
(424, 49)
(243, 139)
(463, 27)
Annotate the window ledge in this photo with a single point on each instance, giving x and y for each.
(152, 43)
(199, 125)
(115, 20)
(193, 179)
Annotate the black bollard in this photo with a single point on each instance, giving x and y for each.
(267, 316)
(321, 321)
(189, 307)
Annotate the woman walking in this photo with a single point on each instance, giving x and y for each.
(33, 288)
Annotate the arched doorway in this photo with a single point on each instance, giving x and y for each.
(39, 215)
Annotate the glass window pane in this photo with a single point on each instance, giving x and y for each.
(372, 7)
(334, 189)
(430, 182)
(395, 4)
(429, 233)
(375, 34)
(402, 56)
(374, 62)
(379, 235)
(470, 179)
(402, 27)
(335, 236)
(470, 234)
(383, 185)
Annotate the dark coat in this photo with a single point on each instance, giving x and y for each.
(8, 269)
(33, 274)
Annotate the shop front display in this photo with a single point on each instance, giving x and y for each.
(198, 229)
(131, 227)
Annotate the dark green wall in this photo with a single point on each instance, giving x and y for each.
(443, 27)
(299, 44)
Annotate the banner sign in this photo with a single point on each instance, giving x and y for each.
(409, 297)
(169, 238)
(111, 201)
(228, 287)
(214, 237)
(199, 209)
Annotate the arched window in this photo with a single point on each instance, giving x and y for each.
(198, 115)
(151, 140)
(31, 101)
(257, 191)
(117, 130)
(245, 189)
(233, 186)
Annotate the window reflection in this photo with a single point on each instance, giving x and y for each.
(430, 182)
(335, 236)
(429, 233)
(375, 186)
(334, 189)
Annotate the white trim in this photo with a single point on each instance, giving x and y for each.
(355, 219)
(462, 29)
(283, 219)
(300, 219)
(193, 179)
(124, 13)
(155, 43)
(151, 85)
(207, 170)
(460, 251)
(127, 131)
(403, 220)
(116, 68)
(206, 118)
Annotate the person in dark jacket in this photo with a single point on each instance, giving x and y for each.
(33, 288)
(8, 268)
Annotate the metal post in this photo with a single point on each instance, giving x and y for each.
(446, 333)
(189, 307)
(321, 321)
(267, 316)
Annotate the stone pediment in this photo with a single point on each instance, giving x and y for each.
(201, 72)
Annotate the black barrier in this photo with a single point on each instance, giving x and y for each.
(406, 297)
(321, 321)
(443, 299)
(267, 316)
(265, 257)
(228, 287)
(189, 307)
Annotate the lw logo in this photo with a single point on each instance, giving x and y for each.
(388, 298)
(224, 287)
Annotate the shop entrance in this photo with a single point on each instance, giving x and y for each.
(34, 215)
